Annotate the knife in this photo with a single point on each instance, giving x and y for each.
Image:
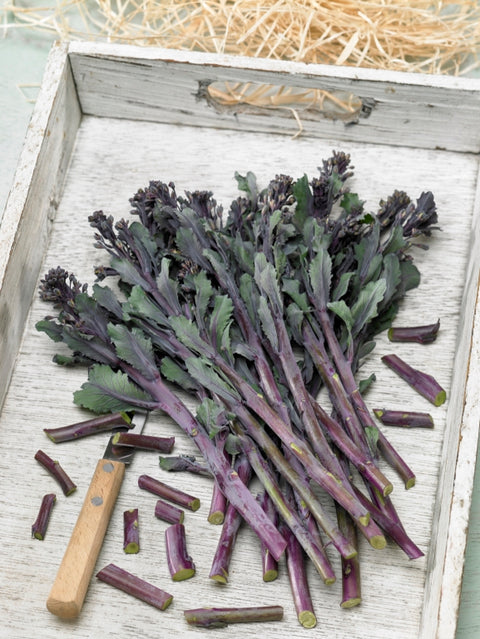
(73, 577)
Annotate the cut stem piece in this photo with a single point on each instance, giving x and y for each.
(179, 562)
(170, 493)
(40, 525)
(144, 442)
(131, 536)
(168, 512)
(423, 383)
(420, 334)
(87, 427)
(133, 585)
(57, 472)
(404, 418)
(221, 617)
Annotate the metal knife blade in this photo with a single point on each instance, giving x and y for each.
(73, 577)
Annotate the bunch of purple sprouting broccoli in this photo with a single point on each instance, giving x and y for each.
(253, 311)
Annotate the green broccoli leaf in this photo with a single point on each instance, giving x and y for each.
(220, 321)
(366, 305)
(134, 348)
(248, 184)
(304, 197)
(174, 373)
(108, 391)
(320, 274)
(205, 375)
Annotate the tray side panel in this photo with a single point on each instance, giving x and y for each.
(33, 201)
(168, 88)
(461, 438)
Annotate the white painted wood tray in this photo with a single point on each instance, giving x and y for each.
(108, 120)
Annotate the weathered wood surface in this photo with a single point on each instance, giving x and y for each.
(111, 159)
(33, 202)
(132, 82)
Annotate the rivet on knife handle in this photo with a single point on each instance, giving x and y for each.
(74, 574)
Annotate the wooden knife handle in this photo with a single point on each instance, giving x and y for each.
(74, 574)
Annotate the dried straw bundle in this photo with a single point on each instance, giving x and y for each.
(406, 35)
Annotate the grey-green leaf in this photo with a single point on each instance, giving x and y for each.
(108, 391)
(366, 306)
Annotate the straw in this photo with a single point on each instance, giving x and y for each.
(417, 35)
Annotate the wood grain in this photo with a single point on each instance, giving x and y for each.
(75, 572)
(108, 159)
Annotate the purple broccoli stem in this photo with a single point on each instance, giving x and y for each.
(221, 617)
(183, 463)
(420, 334)
(230, 528)
(144, 442)
(88, 427)
(269, 564)
(218, 501)
(392, 527)
(396, 461)
(423, 383)
(133, 585)
(168, 512)
(351, 588)
(218, 506)
(57, 472)
(131, 538)
(40, 525)
(404, 418)
(179, 562)
(297, 575)
(170, 493)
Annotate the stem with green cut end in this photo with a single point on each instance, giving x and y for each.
(422, 382)
(334, 486)
(291, 518)
(218, 506)
(269, 564)
(270, 483)
(170, 493)
(420, 334)
(230, 528)
(359, 419)
(354, 446)
(297, 576)
(404, 418)
(135, 586)
(57, 472)
(390, 455)
(229, 483)
(131, 536)
(87, 427)
(351, 586)
(40, 525)
(184, 463)
(392, 527)
(179, 562)
(222, 617)
(168, 512)
(144, 442)
(218, 501)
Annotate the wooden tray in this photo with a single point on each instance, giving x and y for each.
(108, 120)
